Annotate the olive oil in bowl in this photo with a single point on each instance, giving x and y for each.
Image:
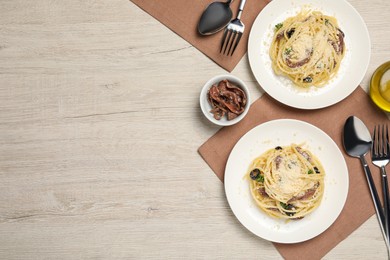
(380, 87)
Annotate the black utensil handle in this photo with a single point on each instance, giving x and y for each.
(375, 198)
(386, 201)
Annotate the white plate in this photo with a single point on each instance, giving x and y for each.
(284, 132)
(352, 69)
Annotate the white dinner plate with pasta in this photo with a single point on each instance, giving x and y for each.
(309, 54)
(325, 158)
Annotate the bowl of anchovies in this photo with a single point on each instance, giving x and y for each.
(225, 100)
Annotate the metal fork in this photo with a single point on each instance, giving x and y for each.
(233, 32)
(380, 155)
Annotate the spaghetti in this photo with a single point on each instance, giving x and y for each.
(287, 182)
(307, 48)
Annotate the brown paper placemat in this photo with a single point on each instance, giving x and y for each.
(182, 18)
(359, 206)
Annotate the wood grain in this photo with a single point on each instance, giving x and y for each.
(99, 130)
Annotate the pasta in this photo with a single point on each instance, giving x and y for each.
(307, 48)
(287, 182)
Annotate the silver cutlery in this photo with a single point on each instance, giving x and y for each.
(357, 142)
(233, 32)
(380, 156)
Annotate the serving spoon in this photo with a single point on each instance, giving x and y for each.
(215, 17)
(357, 142)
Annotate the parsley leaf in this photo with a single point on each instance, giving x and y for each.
(278, 26)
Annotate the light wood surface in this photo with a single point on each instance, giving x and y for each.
(99, 130)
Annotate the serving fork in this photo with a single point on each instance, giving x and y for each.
(380, 155)
(233, 32)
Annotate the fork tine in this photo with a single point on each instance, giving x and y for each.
(382, 143)
(378, 136)
(384, 127)
(237, 41)
(387, 142)
(223, 39)
(228, 42)
(374, 143)
(234, 33)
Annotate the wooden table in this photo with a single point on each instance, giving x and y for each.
(99, 130)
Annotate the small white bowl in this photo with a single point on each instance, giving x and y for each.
(206, 106)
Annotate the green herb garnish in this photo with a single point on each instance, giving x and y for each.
(287, 51)
(260, 178)
(284, 205)
(287, 207)
(278, 26)
(326, 21)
